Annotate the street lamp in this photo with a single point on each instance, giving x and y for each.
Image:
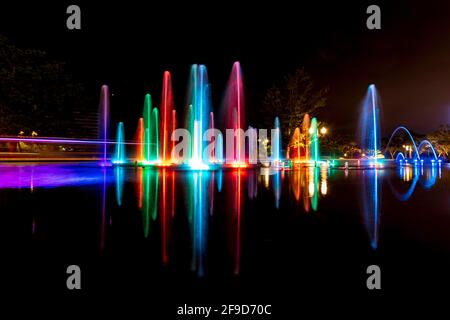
(323, 131)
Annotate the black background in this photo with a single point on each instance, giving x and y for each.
(128, 45)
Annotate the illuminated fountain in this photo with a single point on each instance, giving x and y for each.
(197, 185)
(151, 132)
(139, 156)
(198, 115)
(233, 111)
(405, 159)
(168, 116)
(276, 143)
(314, 143)
(370, 143)
(371, 199)
(202, 145)
(148, 197)
(304, 147)
(305, 128)
(295, 144)
(104, 122)
(214, 150)
(119, 154)
(370, 126)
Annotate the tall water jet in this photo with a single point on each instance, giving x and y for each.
(104, 121)
(314, 144)
(294, 146)
(233, 113)
(370, 123)
(140, 141)
(198, 112)
(276, 142)
(119, 154)
(306, 124)
(167, 108)
(151, 132)
(174, 126)
(147, 116)
(154, 136)
(370, 143)
(213, 158)
(219, 148)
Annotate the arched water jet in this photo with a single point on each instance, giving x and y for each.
(428, 143)
(402, 128)
(400, 157)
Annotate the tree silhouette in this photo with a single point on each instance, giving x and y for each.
(35, 93)
(291, 100)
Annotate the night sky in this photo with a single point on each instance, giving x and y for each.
(128, 46)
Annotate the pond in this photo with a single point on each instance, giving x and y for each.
(203, 233)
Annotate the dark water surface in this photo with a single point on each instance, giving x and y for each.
(244, 236)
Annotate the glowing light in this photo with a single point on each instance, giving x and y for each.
(408, 148)
(119, 184)
(149, 197)
(323, 130)
(119, 155)
(276, 142)
(323, 181)
(233, 111)
(311, 188)
(369, 124)
(140, 140)
(198, 115)
(314, 147)
(167, 108)
(104, 112)
(151, 132)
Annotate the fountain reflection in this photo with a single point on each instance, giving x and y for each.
(219, 199)
(371, 199)
(167, 211)
(196, 186)
(149, 196)
(307, 183)
(119, 174)
(425, 177)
